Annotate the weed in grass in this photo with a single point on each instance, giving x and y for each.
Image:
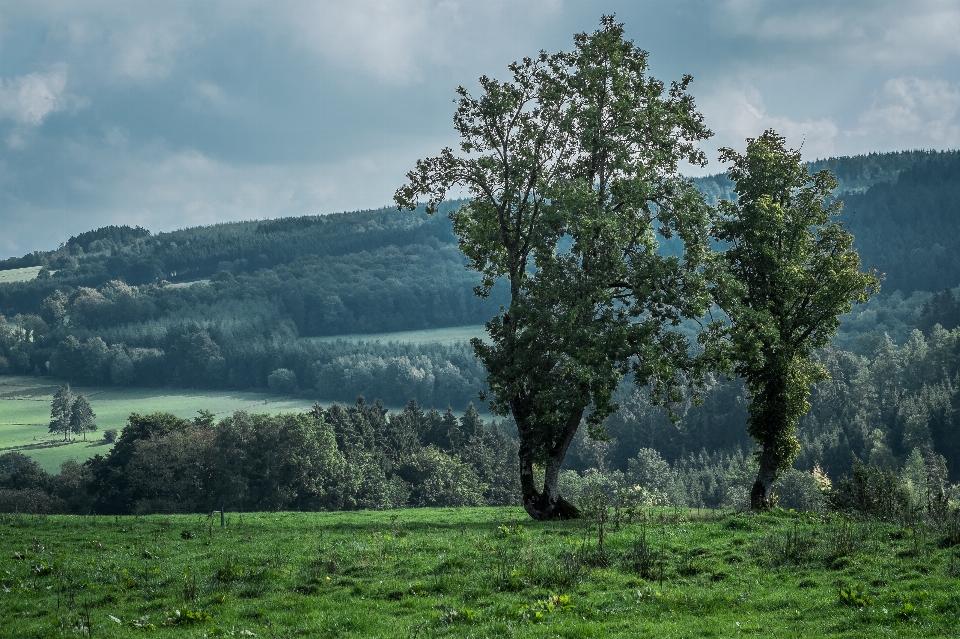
(569, 568)
(795, 546)
(191, 592)
(843, 543)
(539, 611)
(855, 595)
(185, 616)
(641, 557)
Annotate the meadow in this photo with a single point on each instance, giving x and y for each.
(25, 413)
(450, 335)
(24, 274)
(480, 572)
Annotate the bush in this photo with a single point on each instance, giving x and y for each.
(110, 435)
(869, 490)
(34, 501)
(282, 380)
(439, 480)
(799, 490)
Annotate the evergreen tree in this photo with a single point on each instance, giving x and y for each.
(61, 410)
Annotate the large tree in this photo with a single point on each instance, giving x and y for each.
(788, 272)
(61, 410)
(572, 169)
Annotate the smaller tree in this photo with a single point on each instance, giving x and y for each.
(788, 272)
(81, 417)
(282, 380)
(61, 410)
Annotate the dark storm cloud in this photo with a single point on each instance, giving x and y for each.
(181, 113)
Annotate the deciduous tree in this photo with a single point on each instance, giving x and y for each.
(81, 417)
(573, 171)
(788, 272)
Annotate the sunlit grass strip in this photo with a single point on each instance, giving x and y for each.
(24, 274)
(25, 413)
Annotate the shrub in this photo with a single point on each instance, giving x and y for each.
(869, 490)
(438, 479)
(799, 490)
(282, 380)
(33, 501)
(110, 435)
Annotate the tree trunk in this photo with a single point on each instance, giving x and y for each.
(548, 504)
(762, 492)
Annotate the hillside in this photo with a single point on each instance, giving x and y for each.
(334, 307)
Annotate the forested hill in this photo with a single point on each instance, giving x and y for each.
(902, 208)
(360, 272)
(237, 305)
(855, 174)
(910, 229)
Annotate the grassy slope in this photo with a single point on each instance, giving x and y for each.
(451, 335)
(19, 274)
(25, 413)
(472, 573)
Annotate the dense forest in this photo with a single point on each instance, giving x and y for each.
(892, 409)
(238, 306)
(340, 458)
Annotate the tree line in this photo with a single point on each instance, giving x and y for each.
(336, 458)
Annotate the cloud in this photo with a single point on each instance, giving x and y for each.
(149, 51)
(187, 187)
(115, 181)
(397, 42)
(203, 97)
(28, 100)
(883, 33)
(736, 114)
(921, 34)
(912, 112)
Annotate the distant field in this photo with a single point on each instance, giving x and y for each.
(189, 284)
(19, 274)
(451, 335)
(25, 413)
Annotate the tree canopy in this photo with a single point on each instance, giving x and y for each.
(788, 272)
(61, 411)
(573, 170)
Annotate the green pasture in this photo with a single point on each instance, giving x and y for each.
(19, 274)
(188, 284)
(25, 413)
(485, 572)
(452, 335)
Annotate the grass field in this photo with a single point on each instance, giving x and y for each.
(19, 274)
(487, 572)
(25, 413)
(432, 336)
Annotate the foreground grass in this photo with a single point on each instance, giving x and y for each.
(25, 413)
(473, 573)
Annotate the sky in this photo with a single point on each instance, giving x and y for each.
(170, 114)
